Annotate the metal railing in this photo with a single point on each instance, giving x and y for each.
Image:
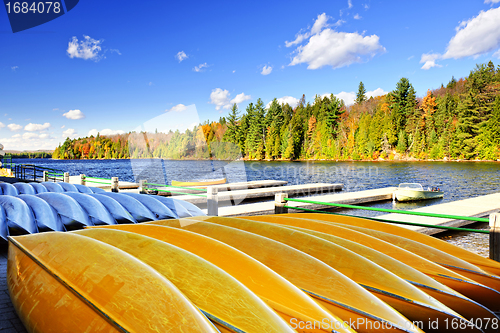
(34, 172)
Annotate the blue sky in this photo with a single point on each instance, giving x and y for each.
(112, 68)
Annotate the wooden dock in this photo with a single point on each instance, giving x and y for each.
(267, 207)
(235, 197)
(480, 206)
(229, 186)
(121, 184)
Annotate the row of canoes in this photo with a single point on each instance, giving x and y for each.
(70, 210)
(279, 273)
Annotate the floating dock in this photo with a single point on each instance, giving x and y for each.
(240, 195)
(231, 186)
(262, 208)
(480, 206)
(106, 186)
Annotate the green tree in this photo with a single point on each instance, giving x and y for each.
(360, 96)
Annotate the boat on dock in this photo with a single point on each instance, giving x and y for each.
(415, 191)
(206, 182)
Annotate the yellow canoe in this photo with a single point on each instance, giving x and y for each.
(337, 293)
(442, 258)
(489, 265)
(405, 298)
(62, 282)
(292, 304)
(465, 286)
(225, 301)
(468, 308)
(207, 182)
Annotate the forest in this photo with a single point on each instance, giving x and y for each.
(458, 121)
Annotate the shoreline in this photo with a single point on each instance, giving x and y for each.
(410, 159)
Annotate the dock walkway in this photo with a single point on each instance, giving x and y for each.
(231, 186)
(480, 206)
(238, 196)
(121, 184)
(350, 198)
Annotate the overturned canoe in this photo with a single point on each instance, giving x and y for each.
(337, 293)
(206, 182)
(292, 304)
(465, 286)
(401, 295)
(229, 304)
(489, 265)
(55, 286)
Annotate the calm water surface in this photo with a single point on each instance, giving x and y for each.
(458, 180)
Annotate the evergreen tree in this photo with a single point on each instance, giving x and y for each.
(360, 96)
(231, 134)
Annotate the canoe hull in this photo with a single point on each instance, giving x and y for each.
(200, 183)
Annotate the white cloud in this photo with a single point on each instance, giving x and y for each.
(429, 60)
(366, 6)
(69, 133)
(88, 48)
(292, 101)
(234, 71)
(491, 1)
(14, 127)
(376, 92)
(29, 141)
(36, 127)
(221, 99)
(240, 98)
(105, 131)
(327, 47)
(337, 49)
(347, 97)
(266, 70)
(14, 68)
(349, 3)
(177, 108)
(2, 125)
(480, 34)
(181, 56)
(115, 51)
(200, 67)
(497, 53)
(357, 17)
(320, 23)
(74, 114)
(150, 84)
(28, 136)
(63, 126)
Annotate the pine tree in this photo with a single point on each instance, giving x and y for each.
(231, 134)
(360, 96)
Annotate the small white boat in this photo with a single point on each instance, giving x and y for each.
(415, 191)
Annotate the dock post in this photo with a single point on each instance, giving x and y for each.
(142, 186)
(279, 203)
(212, 201)
(66, 177)
(495, 237)
(114, 184)
(82, 179)
(45, 176)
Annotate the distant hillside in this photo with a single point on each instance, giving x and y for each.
(41, 153)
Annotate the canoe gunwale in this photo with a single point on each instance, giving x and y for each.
(70, 287)
(355, 310)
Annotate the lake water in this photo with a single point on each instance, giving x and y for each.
(458, 180)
